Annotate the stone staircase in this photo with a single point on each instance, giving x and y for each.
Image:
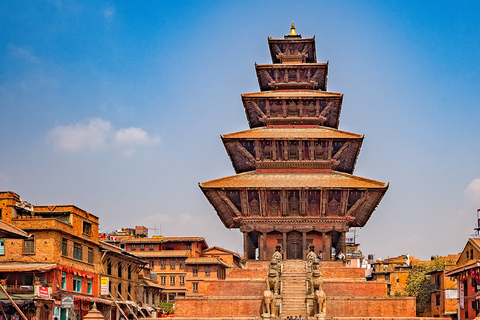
(293, 278)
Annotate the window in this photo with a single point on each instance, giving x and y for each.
(29, 245)
(142, 246)
(77, 284)
(109, 267)
(150, 247)
(207, 271)
(129, 273)
(2, 246)
(172, 264)
(129, 289)
(195, 286)
(87, 228)
(152, 264)
(163, 264)
(90, 255)
(134, 246)
(437, 300)
(77, 251)
(471, 254)
(181, 264)
(172, 281)
(64, 281)
(64, 246)
(163, 280)
(89, 286)
(119, 269)
(195, 271)
(182, 280)
(119, 288)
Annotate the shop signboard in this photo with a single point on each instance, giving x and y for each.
(67, 302)
(104, 286)
(43, 292)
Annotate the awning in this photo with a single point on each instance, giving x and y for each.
(23, 267)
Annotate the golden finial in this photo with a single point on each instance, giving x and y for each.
(292, 30)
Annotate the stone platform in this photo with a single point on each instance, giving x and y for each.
(349, 295)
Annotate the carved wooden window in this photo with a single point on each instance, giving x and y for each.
(172, 281)
(195, 286)
(293, 203)
(275, 109)
(254, 204)
(309, 109)
(334, 199)
(313, 199)
(181, 280)
(207, 271)
(267, 150)
(163, 280)
(142, 246)
(181, 264)
(172, 264)
(195, 271)
(87, 228)
(292, 150)
(321, 150)
(163, 264)
(151, 247)
(273, 199)
(292, 109)
(133, 246)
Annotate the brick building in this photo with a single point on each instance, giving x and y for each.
(62, 258)
(466, 272)
(394, 272)
(443, 291)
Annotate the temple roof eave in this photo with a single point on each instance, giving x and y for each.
(263, 133)
(281, 95)
(329, 180)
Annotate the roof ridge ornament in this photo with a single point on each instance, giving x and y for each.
(293, 33)
(292, 30)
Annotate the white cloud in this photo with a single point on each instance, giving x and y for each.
(109, 12)
(22, 53)
(99, 135)
(472, 193)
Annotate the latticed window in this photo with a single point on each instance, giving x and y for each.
(29, 245)
(195, 271)
(195, 286)
(163, 280)
(182, 280)
(163, 264)
(64, 246)
(150, 247)
(90, 255)
(207, 271)
(172, 281)
(181, 264)
(172, 264)
(77, 251)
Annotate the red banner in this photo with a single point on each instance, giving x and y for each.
(43, 292)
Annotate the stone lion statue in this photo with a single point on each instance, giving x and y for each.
(320, 306)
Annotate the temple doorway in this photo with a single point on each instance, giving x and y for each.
(294, 246)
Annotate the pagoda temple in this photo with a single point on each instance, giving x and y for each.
(294, 185)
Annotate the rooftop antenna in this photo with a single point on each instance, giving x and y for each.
(156, 230)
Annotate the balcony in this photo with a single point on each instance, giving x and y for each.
(19, 289)
(434, 287)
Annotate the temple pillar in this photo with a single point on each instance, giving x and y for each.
(342, 245)
(284, 249)
(246, 243)
(324, 246)
(263, 248)
(304, 245)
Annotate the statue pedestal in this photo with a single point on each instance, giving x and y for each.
(266, 316)
(321, 316)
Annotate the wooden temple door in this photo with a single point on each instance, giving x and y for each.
(294, 246)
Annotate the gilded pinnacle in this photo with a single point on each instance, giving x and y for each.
(292, 30)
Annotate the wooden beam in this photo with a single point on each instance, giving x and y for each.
(13, 302)
(128, 306)
(128, 293)
(118, 307)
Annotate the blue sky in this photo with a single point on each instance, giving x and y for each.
(117, 107)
